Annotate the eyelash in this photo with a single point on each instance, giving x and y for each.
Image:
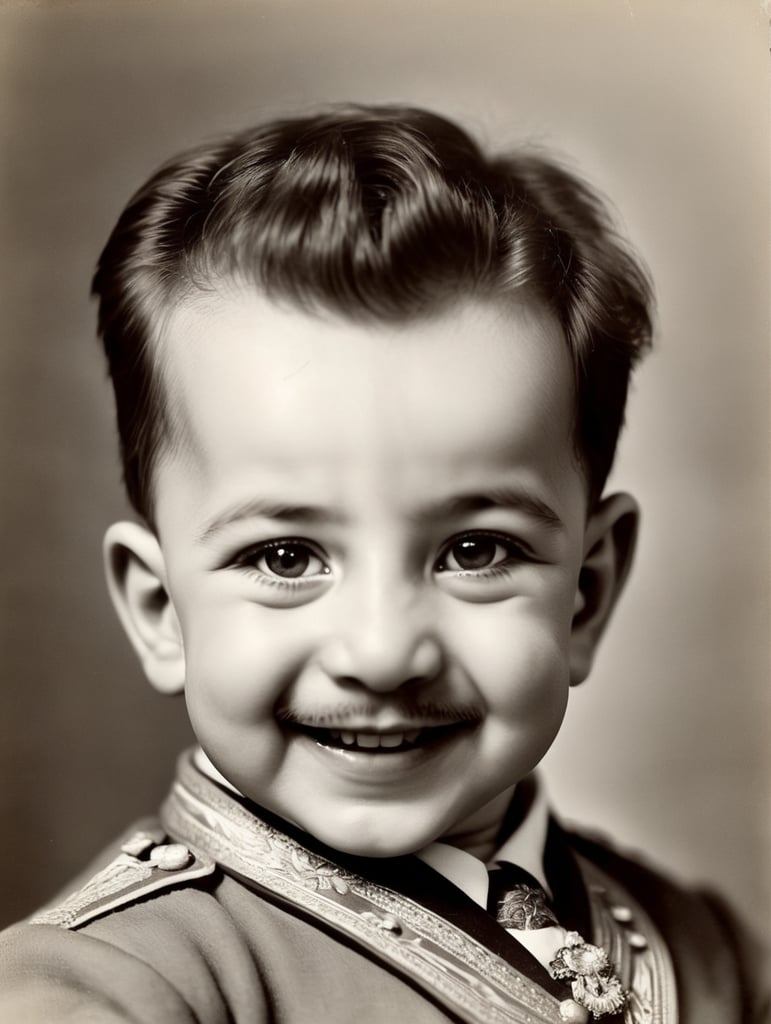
(516, 553)
(244, 561)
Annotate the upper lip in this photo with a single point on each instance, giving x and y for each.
(378, 728)
(377, 740)
(379, 721)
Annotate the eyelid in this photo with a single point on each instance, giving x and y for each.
(504, 539)
(245, 556)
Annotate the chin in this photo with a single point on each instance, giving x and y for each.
(366, 840)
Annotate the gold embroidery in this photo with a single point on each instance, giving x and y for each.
(145, 865)
(121, 873)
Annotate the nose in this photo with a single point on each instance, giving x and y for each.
(383, 643)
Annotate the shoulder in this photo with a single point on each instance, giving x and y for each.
(140, 937)
(709, 944)
(142, 862)
(674, 906)
(631, 868)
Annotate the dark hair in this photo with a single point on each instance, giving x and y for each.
(382, 213)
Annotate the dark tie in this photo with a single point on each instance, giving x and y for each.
(519, 903)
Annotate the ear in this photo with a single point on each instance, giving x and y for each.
(609, 543)
(136, 577)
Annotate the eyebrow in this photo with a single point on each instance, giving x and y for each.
(457, 505)
(260, 508)
(500, 497)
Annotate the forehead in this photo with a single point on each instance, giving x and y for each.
(260, 389)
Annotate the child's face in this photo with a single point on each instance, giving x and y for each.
(372, 539)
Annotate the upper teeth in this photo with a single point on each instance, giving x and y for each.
(375, 739)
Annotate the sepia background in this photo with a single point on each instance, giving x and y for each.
(664, 106)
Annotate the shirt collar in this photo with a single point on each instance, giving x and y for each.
(524, 847)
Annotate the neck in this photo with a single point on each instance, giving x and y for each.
(480, 834)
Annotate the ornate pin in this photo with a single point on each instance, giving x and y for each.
(524, 908)
(593, 981)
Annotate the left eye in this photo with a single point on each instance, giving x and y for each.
(475, 553)
(287, 560)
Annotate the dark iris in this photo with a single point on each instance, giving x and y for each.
(289, 560)
(474, 554)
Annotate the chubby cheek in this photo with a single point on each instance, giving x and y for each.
(231, 692)
(519, 666)
(238, 663)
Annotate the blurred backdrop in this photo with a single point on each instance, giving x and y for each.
(664, 107)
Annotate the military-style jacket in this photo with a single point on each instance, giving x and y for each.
(215, 915)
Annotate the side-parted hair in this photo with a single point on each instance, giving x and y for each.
(377, 214)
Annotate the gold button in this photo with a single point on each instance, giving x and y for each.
(637, 941)
(170, 857)
(573, 1012)
(621, 914)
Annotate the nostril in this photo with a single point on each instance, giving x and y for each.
(350, 682)
(355, 664)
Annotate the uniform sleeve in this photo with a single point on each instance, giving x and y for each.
(49, 975)
(753, 961)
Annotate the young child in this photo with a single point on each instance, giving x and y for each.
(369, 384)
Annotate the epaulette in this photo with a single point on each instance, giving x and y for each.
(148, 862)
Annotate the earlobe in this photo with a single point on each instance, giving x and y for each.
(609, 544)
(136, 581)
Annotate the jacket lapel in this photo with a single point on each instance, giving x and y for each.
(416, 881)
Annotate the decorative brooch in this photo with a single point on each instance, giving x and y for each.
(524, 908)
(594, 984)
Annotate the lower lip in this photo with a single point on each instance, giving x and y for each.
(381, 764)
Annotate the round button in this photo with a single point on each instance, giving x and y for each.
(637, 941)
(621, 914)
(573, 1012)
(170, 857)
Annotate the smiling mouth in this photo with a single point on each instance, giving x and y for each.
(370, 742)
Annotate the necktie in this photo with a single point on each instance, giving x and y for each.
(520, 905)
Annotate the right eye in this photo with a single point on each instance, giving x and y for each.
(284, 561)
